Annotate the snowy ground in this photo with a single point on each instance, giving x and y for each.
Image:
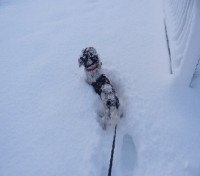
(48, 121)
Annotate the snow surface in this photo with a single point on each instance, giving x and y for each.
(48, 114)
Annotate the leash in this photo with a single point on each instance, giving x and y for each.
(112, 153)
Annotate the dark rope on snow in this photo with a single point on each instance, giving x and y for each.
(112, 153)
(193, 76)
(168, 47)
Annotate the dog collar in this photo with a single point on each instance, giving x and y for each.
(91, 69)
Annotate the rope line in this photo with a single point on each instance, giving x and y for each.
(112, 153)
(168, 47)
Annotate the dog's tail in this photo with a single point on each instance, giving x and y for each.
(115, 116)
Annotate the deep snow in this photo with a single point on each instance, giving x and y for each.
(48, 120)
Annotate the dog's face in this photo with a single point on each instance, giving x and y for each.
(90, 60)
(89, 57)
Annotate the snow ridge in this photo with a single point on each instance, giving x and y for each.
(182, 19)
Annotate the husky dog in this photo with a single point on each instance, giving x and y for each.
(101, 84)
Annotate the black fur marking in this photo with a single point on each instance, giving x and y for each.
(102, 80)
(114, 102)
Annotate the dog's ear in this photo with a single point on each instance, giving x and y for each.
(80, 62)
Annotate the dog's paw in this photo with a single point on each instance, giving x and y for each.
(114, 122)
(115, 118)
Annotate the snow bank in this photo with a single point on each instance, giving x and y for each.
(182, 19)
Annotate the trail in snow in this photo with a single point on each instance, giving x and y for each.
(128, 154)
(125, 160)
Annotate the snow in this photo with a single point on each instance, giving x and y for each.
(183, 27)
(48, 113)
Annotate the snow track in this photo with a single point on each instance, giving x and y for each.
(125, 156)
(128, 155)
(125, 160)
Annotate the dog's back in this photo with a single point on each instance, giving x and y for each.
(99, 83)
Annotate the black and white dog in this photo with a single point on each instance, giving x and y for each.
(101, 84)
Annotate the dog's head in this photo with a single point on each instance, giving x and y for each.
(89, 57)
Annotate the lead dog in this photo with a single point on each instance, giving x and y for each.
(101, 84)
